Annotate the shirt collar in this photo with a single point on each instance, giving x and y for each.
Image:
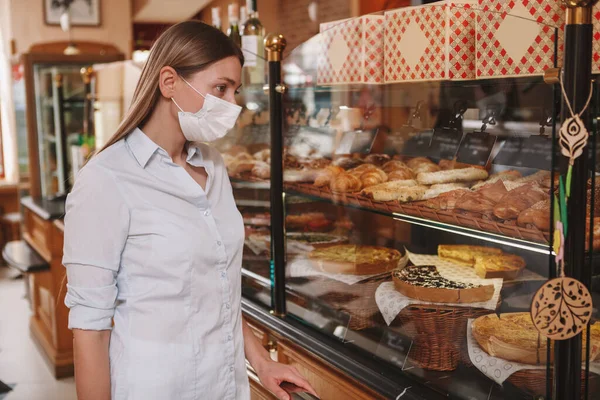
(142, 147)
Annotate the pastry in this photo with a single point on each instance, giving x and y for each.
(324, 176)
(393, 165)
(425, 283)
(238, 167)
(354, 259)
(348, 162)
(538, 215)
(261, 170)
(534, 178)
(237, 149)
(319, 163)
(401, 174)
(377, 159)
(345, 183)
(402, 191)
(263, 155)
(300, 175)
(453, 175)
(301, 221)
(464, 254)
(506, 266)
(373, 177)
(441, 188)
(446, 201)
(358, 171)
(422, 164)
(596, 234)
(518, 200)
(513, 337)
(504, 176)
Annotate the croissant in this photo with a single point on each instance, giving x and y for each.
(361, 169)
(377, 159)
(345, 183)
(261, 170)
(373, 177)
(393, 165)
(325, 175)
(422, 164)
(401, 174)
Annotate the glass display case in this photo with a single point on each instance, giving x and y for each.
(421, 182)
(56, 108)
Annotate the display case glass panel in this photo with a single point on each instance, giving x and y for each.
(419, 164)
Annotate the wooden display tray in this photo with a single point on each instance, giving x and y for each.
(415, 210)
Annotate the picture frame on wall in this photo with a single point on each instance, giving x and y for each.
(82, 12)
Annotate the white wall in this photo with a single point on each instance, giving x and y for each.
(7, 111)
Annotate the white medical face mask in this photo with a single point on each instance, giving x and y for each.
(211, 122)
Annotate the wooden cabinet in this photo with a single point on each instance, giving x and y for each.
(329, 383)
(49, 322)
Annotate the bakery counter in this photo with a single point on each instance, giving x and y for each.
(44, 232)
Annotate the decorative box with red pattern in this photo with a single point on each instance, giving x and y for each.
(351, 51)
(517, 37)
(431, 42)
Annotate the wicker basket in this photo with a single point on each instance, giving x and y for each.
(417, 210)
(439, 334)
(357, 301)
(533, 382)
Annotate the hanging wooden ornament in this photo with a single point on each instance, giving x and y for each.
(573, 138)
(562, 308)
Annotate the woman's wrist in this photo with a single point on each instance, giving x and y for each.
(259, 360)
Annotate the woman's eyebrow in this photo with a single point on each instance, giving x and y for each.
(228, 80)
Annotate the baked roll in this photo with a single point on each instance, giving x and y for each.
(261, 170)
(373, 177)
(377, 159)
(345, 183)
(324, 176)
(452, 176)
(393, 165)
(422, 164)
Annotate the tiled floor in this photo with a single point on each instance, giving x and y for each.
(21, 364)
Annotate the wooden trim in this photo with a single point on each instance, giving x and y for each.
(87, 48)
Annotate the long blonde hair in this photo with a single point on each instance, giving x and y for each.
(187, 47)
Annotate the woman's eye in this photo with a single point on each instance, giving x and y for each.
(221, 88)
(237, 92)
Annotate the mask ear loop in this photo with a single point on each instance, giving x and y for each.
(180, 109)
(193, 88)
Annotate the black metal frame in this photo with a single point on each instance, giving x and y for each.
(577, 76)
(277, 206)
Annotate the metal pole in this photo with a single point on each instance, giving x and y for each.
(274, 46)
(576, 79)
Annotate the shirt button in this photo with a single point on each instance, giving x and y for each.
(223, 274)
(219, 243)
(231, 369)
(227, 306)
(229, 338)
(206, 213)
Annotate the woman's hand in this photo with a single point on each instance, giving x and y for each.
(272, 374)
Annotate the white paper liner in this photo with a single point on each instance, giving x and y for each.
(302, 267)
(391, 302)
(498, 369)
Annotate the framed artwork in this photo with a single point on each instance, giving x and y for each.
(82, 12)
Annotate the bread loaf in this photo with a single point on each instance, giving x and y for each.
(441, 188)
(345, 183)
(538, 215)
(402, 191)
(454, 175)
(503, 176)
(518, 200)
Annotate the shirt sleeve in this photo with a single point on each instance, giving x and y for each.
(96, 228)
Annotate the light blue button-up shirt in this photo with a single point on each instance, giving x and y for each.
(147, 246)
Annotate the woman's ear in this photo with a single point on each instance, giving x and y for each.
(167, 81)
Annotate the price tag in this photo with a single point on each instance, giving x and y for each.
(356, 142)
(444, 143)
(418, 145)
(476, 148)
(530, 152)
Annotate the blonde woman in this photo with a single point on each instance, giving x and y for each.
(153, 240)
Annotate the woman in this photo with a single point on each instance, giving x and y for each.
(153, 240)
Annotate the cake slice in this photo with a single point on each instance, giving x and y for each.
(464, 254)
(506, 266)
(425, 283)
